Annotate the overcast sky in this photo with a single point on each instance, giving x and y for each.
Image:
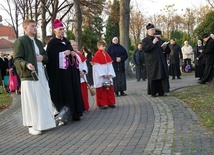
(153, 6)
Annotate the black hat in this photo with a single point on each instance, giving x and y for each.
(157, 32)
(150, 26)
(205, 35)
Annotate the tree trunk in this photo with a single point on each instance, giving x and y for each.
(78, 24)
(124, 30)
(43, 23)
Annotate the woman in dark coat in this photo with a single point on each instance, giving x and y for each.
(64, 82)
(199, 59)
(119, 55)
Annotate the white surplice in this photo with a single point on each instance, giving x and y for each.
(82, 66)
(36, 101)
(102, 69)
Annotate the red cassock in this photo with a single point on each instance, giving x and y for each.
(104, 97)
(84, 88)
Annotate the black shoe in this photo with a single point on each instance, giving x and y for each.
(116, 94)
(18, 92)
(111, 106)
(179, 78)
(162, 95)
(123, 94)
(173, 78)
(102, 107)
(76, 119)
(153, 95)
(201, 82)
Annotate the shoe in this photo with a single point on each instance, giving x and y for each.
(34, 132)
(173, 78)
(201, 82)
(111, 106)
(138, 80)
(153, 95)
(179, 78)
(18, 92)
(76, 119)
(116, 94)
(123, 94)
(162, 95)
(102, 107)
(61, 123)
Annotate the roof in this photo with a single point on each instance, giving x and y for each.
(7, 31)
(5, 44)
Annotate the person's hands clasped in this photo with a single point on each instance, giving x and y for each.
(118, 59)
(67, 52)
(39, 57)
(72, 53)
(82, 74)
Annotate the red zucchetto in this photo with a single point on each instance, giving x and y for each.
(57, 23)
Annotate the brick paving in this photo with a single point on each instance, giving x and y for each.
(139, 125)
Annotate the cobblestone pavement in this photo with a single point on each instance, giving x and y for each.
(139, 125)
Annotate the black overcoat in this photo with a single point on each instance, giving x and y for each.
(154, 59)
(117, 50)
(209, 51)
(199, 55)
(64, 83)
(175, 54)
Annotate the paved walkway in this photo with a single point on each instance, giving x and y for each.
(139, 125)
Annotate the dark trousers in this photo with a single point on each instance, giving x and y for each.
(155, 86)
(140, 72)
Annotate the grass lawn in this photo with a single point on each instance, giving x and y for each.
(5, 99)
(201, 100)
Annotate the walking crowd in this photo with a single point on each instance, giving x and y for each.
(54, 81)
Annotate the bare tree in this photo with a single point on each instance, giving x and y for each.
(189, 21)
(136, 25)
(211, 3)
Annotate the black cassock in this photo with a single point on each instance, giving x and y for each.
(209, 68)
(156, 66)
(64, 84)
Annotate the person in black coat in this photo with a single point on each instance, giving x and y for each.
(88, 55)
(175, 58)
(119, 55)
(209, 53)
(14, 72)
(64, 81)
(139, 62)
(4, 69)
(199, 59)
(155, 63)
(166, 50)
